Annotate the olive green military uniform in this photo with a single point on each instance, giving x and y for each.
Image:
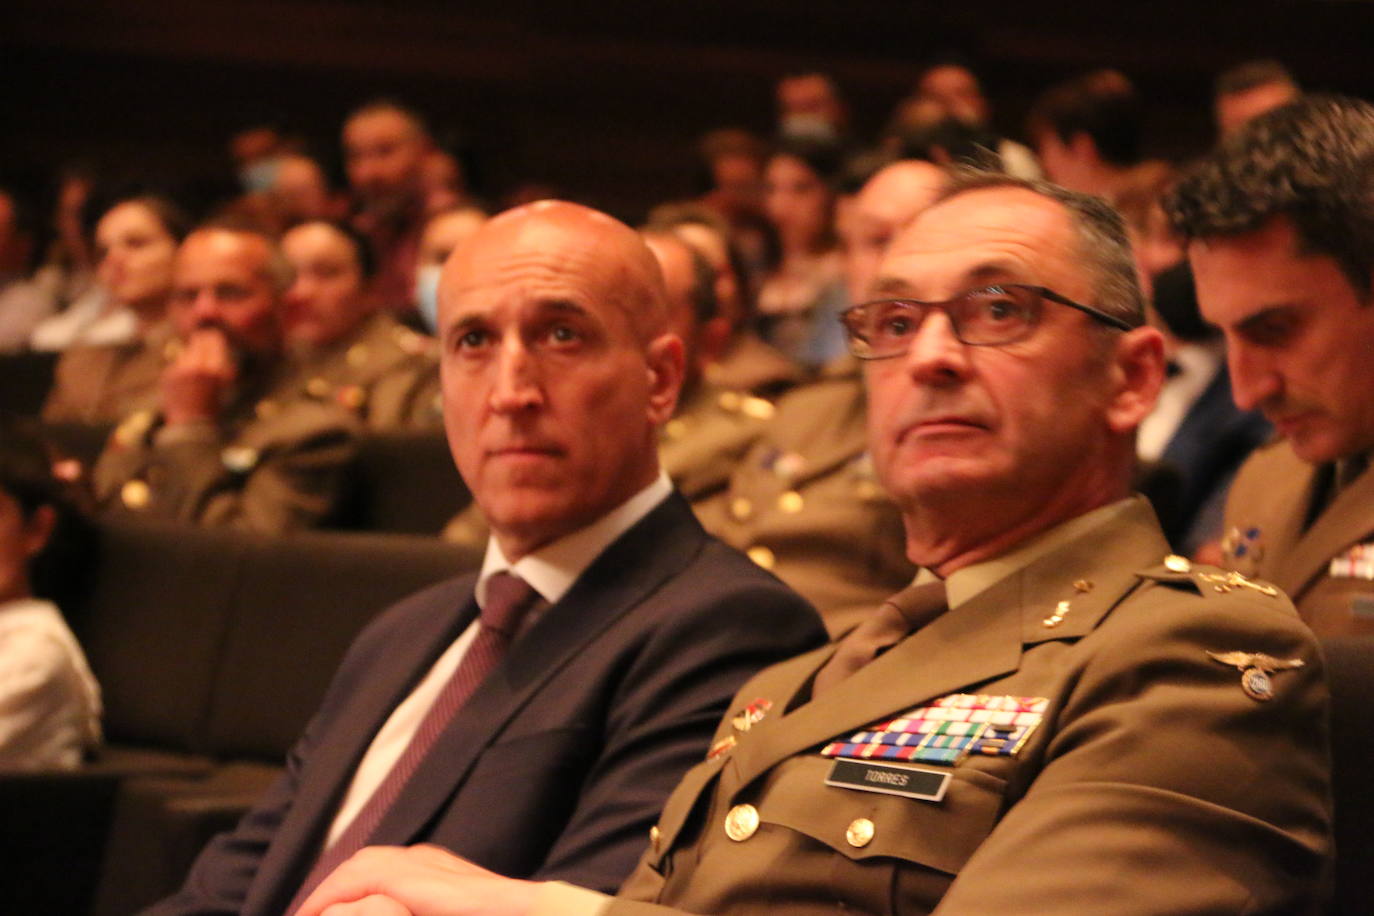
(1089, 729)
(698, 448)
(1326, 566)
(385, 373)
(750, 364)
(107, 383)
(805, 503)
(268, 465)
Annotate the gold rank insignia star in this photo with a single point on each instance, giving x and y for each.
(1255, 668)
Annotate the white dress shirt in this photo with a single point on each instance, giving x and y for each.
(551, 571)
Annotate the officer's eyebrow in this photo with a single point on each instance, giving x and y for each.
(983, 274)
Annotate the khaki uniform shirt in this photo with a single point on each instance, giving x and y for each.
(805, 503)
(703, 443)
(1327, 567)
(107, 383)
(384, 373)
(752, 365)
(268, 464)
(1141, 774)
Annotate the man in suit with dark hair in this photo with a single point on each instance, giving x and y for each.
(532, 717)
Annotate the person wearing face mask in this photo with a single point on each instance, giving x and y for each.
(136, 241)
(341, 349)
(443, 232)
(224, 444)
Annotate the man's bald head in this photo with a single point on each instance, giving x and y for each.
(593, 243)
(888, 201)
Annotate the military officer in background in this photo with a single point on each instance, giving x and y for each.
(342, 349)
(221, 447)
(1280, 222)
(1064, 719)
(805, 502)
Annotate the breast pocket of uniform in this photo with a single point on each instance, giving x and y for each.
(888, 850)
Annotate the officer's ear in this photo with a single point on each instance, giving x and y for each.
(1135, 375)
(666, 363)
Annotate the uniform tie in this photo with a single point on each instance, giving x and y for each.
(908, 610)
(509, 598)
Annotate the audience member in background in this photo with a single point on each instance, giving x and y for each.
(731, 185)
(300, 192)
(23, 303)
(533, 716)
(222, 447)
(49, 700)
(254, 151)
(1196, 434)
(385, 148)
(805, 502)
(952, 87)
(443, 232)
(810, 108)
(804, 291)
(1280, 227)
(341, 348)
(744, 362)
(442, 182)
(117, 359)
(1250, 89)
(1088, 133)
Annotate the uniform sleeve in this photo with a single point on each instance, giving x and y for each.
(1166, 788)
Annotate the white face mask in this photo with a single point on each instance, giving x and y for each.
(427, 294)
(260, 177)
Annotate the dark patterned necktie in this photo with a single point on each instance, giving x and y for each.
(509, 598)
(908, 610)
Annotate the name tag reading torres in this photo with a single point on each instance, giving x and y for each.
(912, 782)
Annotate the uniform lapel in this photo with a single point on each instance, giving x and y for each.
(619, 580)
(1345, 522)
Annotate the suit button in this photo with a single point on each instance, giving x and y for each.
(762, 556)
(741, 822)
(860, 833)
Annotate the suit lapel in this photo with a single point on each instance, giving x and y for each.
(336, 752)
(1345, 522)
(976, 642)
(620, 579)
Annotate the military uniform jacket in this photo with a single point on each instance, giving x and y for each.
(805, 503)
(1328, 568)
(107, 383)
(752, 365)
(267, 465)
(1152, 783)
(384, 373)
(708, 435)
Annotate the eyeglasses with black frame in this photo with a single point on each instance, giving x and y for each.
(993, 316)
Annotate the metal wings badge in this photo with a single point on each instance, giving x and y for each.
(1255, 668)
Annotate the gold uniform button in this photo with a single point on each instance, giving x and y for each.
(1175, 563)
(135, 494)
(675, 428)
(860, 832)
(317, 387)
(762, 556)
(757, 408)
(357, 355)
(729, 400)
(655, 837)
(741, 508)
(791, 502)
(741, 822)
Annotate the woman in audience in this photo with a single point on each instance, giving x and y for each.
(122, 341)
(49, 701)
(802, 295)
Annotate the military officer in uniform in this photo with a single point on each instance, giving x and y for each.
(1280, 220)
(805, 501)
(1064, 719)
(221, 447)
(343, 349)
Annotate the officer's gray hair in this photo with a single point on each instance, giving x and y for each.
(1102, 241)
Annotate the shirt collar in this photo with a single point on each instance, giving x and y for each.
(552, 569)
(968, 582)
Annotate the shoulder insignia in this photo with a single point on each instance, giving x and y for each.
(757, 408)
(751, 715)
(1227, 581)
(1255, 668)
(239, 459)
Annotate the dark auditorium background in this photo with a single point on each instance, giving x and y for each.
(600, 100)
